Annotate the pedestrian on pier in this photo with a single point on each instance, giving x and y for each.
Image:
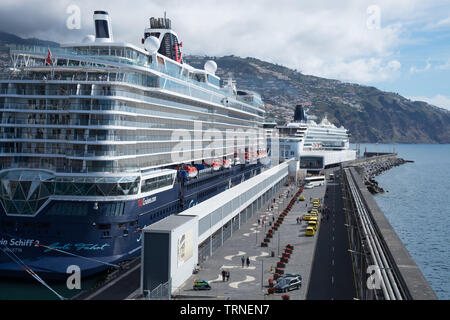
(243, 261)
(224, 274)
(248, 262)
(228, 275)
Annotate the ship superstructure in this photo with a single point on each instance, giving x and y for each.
(316, 145)
(100, 138)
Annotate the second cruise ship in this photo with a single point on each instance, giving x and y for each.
(316, 145)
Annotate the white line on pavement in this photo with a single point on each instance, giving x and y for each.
(238, 267)
(240, 253)
(237, 283)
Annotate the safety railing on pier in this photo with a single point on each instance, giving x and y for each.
(367, 242)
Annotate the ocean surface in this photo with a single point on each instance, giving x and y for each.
(417, 205)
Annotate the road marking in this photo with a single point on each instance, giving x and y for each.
(332, 248)
(263, 254)
(219, 278)
(237, 283)
(333, 238)
(238, 267)
(240, 253)
(332, 280)
(332, 262)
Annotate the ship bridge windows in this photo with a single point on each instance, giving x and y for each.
(199, 77)
(213, 80)
(157, 182)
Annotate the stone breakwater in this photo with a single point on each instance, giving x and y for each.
(373, 167)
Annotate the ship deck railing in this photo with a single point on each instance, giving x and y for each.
(160, 64)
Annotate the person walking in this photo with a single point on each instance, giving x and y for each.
(243, 261)
(248, 262)
(228, 275)
(224, 274)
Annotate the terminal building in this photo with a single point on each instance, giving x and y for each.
(173, 247)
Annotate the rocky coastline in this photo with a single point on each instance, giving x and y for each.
(372, 168)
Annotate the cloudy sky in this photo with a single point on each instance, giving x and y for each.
(400, 46)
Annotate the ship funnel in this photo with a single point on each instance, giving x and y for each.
(300, 114)
(103, 30)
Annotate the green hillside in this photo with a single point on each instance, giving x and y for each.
(370, 115)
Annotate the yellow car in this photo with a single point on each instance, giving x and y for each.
(309, 231)
(316, 219)
(315, 212)
(313, 224)
(301, 198)
(316, 200)
(307, 217)
(316, 205)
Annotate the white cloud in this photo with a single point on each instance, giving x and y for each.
(415, 69)
(443, 23)
(362, 70)
(438, 100)
(444, 66)
(328, 38)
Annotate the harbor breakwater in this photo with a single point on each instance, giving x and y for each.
(370, 167)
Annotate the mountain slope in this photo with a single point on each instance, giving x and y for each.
(371, 115)
(8, 38)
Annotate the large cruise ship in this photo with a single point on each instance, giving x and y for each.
(102, 138)
(316, 145)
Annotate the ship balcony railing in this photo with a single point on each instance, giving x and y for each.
(68, 107)
(97, 153)
(126, 94)
(168, 67)
(99, 123)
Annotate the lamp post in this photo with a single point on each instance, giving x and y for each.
(360, 268)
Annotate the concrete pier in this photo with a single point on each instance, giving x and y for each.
(374, 243)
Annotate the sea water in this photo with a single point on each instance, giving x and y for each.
(417, 204)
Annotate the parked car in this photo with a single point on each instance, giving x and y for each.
(288, 283)
(309, 231)
(290, 275)
(201, 284)
(313, 223)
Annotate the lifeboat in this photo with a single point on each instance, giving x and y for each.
(261, 154)
(236, 159)
(190, 170)
(226, 164)
(216, 165)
